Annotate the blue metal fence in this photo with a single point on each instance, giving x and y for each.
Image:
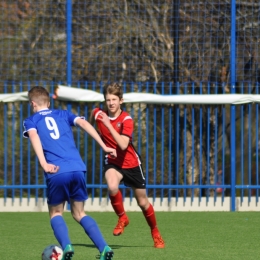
(198, 164)
(189, 151)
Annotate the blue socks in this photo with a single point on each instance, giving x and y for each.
(90, 226)
(92, 230)
(60, 231)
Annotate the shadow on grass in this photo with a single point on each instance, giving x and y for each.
(112, 246)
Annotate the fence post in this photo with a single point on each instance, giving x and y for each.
(69, 26)
(175, 144)
(69, 65)
(232, 108)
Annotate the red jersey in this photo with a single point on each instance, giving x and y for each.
(124, 125)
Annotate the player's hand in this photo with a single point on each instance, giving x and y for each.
(111, 152)
(50, 168)
(104, 118)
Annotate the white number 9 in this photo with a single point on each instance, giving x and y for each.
(52, 126)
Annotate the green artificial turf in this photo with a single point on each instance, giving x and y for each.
(190, 235)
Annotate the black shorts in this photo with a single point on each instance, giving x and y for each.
(132, 177)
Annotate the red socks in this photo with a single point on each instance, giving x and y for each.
(151, 220)
(117, 203)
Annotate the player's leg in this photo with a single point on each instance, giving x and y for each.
(113, 179)
(60, 230)
(149, 214)
(57, 195)
(88, 223)
(78, 196)
(134, 177)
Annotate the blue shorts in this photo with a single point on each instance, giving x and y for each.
(66, 186)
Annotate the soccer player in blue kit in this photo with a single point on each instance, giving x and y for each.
(50, 133)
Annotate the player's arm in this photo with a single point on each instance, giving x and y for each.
(37, 146)
(86, 126)
(122, 140)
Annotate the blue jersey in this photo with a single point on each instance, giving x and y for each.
(54, 129)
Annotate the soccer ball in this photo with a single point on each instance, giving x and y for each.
(52, 252)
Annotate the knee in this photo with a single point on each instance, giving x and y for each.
(112, 188)
(113, 179)
(77, 216)
(143, 203)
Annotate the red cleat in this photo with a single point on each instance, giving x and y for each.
(121, 224)
(158, 241)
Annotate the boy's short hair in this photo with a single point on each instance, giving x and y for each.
(113, 89)
(39, 95)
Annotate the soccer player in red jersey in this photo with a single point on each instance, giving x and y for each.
(115, 127)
